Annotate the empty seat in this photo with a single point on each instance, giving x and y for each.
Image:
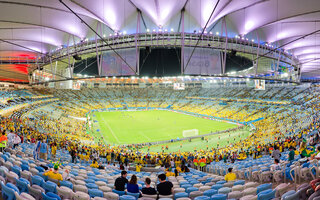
(224, 190)
(250, 191)
(111, 196)
(219, 197)
(267, 194)
(65, 192)
(81, 196)
(235, 195)
(263, 187)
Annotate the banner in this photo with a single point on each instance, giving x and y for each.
(204, 61)
(113, 65)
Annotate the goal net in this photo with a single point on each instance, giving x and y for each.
(190, 133)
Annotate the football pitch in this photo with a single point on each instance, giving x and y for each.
(129, 127)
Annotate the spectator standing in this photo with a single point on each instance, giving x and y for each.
(3, 141)
(16, 141)
(276, 153)
(43, 150)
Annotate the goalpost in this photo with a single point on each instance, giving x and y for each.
(190, 133)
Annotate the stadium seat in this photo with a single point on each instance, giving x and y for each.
(22, 185)
(263, 187)
(267, 194)
(127, 197)
(120, 193)
(49, 187)
(219, 197)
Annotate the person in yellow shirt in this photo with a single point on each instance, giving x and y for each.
(230, 176)
(54, 174)
(138, 167)
(94, 164)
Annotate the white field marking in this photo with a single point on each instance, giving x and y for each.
(113, 134)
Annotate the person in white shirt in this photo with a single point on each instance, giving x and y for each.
(275, 166)
(11, 137)
(16, 140)
(318, 153)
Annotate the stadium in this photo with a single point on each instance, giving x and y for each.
(159, 99)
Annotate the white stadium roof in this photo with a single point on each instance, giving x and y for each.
(31, 26)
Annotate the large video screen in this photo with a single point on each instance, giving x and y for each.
(113, 65)
(204, 61)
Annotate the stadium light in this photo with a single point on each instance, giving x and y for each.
(165, 30)
(104, 35)
(248, 79)
(148, 30)
(114, 77)
(171, 29)
(110, 34)
(154, 30)
(252, 40)
(47, 78)
(217, 33)
(210, 33)
(124, 32)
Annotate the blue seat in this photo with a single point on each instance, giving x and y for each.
(290, 195)
(25, 167)
(5, 157)
(180, 195)
(24, 162)
(239, 182)
(95, 193)
(22, 184)
(7, 192)
(40, 169)
(50, 187)
(267, 194)
(120, 193)
(50, 196)
(263, 187)
(221, 182)
(89, 181)
(16, 169)
(92, 186)
(210, 192)
(66, 184)
(127, 197)
(185, 186)
(191, 189)
(202, 198)
(216, 187)
(10, 185)
(219, 197)
(136, 195)
(45, 178)
(38, 180)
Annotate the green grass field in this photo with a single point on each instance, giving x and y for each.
(130, 127)
(199, 144)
